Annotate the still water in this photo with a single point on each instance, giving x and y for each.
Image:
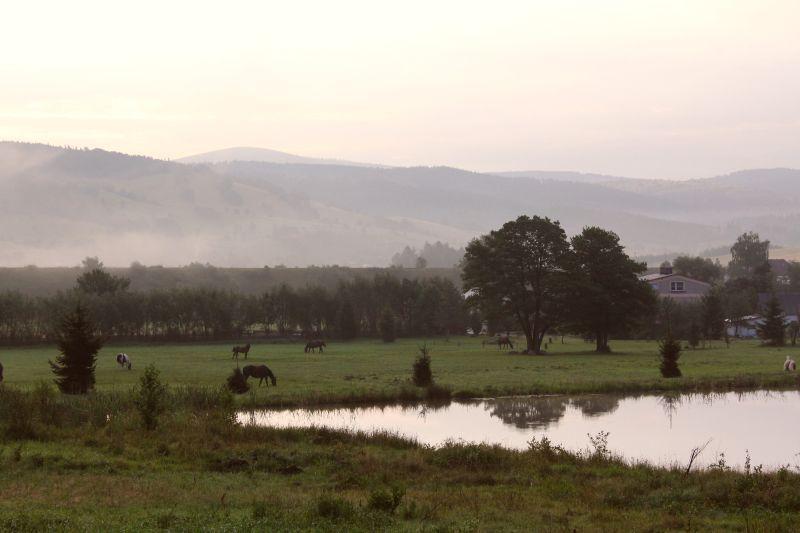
(659, 429)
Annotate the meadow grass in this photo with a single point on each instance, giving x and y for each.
(373, 371)
(199, 472)
(86, 464)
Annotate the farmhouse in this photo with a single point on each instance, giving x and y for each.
(667, 284)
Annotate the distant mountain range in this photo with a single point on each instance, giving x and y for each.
(251, 207)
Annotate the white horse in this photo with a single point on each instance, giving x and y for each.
(789, 365)
(123, 360)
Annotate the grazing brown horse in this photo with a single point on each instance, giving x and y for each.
(502, 341)
(261, 372)
(240, 349)
(313, 345)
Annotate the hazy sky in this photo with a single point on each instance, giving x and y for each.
(640, 88)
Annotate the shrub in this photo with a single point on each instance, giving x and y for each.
(386, 500)
(422, 374)
(670, 351)
(151, 397)
(237, 384)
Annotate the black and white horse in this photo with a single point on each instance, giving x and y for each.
(261, 372)
(124, 361)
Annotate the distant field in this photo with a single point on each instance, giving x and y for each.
(370, 369)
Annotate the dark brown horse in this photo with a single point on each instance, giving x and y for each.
(313, 345)
(240, 349)
(261, 372)
(502, 341)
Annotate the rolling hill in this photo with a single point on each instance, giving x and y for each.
(263, 155)
(59, 205)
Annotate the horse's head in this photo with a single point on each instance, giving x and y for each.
(274, 381)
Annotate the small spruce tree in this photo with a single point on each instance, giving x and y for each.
(387, 325)
(670, 350)
(773, 330)
(78, 344)
(422, 376)
(151, 397)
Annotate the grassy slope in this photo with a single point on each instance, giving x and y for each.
(194, 473)
(370, 369)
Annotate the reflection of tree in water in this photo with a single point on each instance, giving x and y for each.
(596, 404)
(528, 412)
(540, 412)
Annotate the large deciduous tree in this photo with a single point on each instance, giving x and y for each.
(519, 270)
(607, 296)
(98, 281)
(749, 258)
(701, 268)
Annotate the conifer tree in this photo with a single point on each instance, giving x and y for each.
(670, 350)
(78, 344)
(773, 330)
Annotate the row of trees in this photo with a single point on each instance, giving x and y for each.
(414, 307)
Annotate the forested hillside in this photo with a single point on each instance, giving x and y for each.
(59, 205)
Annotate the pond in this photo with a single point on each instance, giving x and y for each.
(658, 429)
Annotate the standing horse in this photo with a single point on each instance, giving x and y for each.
(124, 361)
(240, 349)
(261, 372)
(313, 345)
(502, 341)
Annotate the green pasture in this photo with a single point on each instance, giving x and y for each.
(366, 370)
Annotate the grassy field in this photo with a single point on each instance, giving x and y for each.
(370, 370)
(86, 464)
(199, 472)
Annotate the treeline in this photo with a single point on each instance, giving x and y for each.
(46, 281)
(354, 308)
